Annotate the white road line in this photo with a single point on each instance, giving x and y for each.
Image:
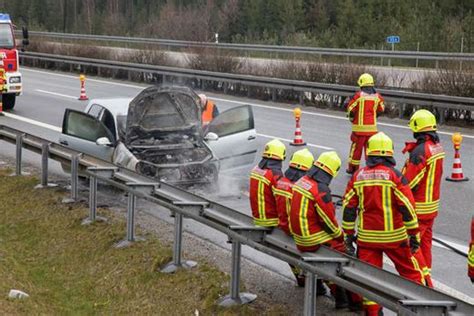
(57, 94)
(241, 102)
(290, 141)
(33, 122)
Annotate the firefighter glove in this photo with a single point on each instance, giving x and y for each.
(349, 243)
(414, 243)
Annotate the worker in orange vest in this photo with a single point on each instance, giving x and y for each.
(470, 259)
(209, 110)
(301, 161)
(263, 178)
(380, 196)
(362, 111)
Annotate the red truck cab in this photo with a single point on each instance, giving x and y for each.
(11, 61)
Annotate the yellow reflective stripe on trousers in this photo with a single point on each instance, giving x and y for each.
(416, 265)
(470, 259)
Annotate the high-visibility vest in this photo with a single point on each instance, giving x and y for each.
(383, 201)
(424, 172)
(262, 201)
(364, 107)
(312, 216)
(207, 113)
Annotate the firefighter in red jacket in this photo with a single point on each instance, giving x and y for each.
(424, 170)
(470, 259)
(263, 179)
(380, 196)
(300, 163)
(209, 110)
(362, 111)
(312, 217)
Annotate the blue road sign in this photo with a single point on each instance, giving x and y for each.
(394, 39)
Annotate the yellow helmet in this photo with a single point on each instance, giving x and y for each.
(302, 159)
(330, 162)
(422, 121)
(275, 149)
(380, 145)
(366, 80)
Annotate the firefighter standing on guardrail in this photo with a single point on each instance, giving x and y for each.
(263, 179)
(424, 171)
(209, 110)
(362, 111)
(470, 258)
(301, 161)
(312, 217)
(380, 196)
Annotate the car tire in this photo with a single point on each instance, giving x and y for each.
(8, 101)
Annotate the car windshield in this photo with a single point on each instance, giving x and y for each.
(6, 36)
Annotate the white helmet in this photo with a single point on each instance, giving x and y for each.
(203, 98)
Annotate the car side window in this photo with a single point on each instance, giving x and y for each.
(232, 121)
(84, 126)
(108, 120)
(95, 110)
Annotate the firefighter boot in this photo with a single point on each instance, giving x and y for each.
(320, 288)
(341, 298)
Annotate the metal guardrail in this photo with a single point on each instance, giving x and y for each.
(437, 56)
(402, 98)
(392, 291)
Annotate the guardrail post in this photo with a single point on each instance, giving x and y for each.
(235, 297)
(94, 172)
(310, 291)
(146, 188)
(301, 98)
(226, 87)
(401, 110)
(442, 116)
(177, 263)
(19, 152)
(74, 180)
(274, 95)
(44, 168)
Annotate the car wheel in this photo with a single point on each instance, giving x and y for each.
(8, 101)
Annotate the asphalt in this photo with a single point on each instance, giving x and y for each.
(48, 94)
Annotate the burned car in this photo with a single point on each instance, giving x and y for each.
(159, 133)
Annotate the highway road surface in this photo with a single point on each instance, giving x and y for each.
(48, 94)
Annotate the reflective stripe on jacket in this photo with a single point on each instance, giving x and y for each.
(363, 109)
(283, 194)
(262, 201)
(208, 113)
(424, 171)
(312, 216)
(381, 199)
(470, 260)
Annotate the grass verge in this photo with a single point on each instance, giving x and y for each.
(67, 268)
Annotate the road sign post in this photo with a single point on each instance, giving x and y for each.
(392, 39)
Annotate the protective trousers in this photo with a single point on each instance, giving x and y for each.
(426, 234)
(359, 144)
(406, 265)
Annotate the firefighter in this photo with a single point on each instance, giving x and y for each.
(263, 179)
(380, 196)
(362, 111)
(2, 82)
(312, 217)
(300, 163)
(424, 170)
(470, 259)
(209, 110)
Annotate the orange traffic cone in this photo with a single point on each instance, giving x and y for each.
(83, 96)
(298, 140)
(457, 174)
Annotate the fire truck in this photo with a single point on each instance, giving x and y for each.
(11, 62)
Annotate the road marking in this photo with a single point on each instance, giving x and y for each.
(241, 102)
(57, 94)
(290, 141)
(33, 122)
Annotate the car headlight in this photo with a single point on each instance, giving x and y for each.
(15, 79)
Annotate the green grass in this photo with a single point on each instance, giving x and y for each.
(70, 269)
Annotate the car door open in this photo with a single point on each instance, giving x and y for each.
(84, 133)
(232, 138)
